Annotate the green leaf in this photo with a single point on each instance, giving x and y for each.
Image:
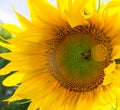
(5, 34)
(117, 61)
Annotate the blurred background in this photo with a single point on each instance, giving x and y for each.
(6, 92)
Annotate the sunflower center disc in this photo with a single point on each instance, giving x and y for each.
(74, 57)
(78, 59)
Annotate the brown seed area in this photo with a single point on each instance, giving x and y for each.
(79, 85)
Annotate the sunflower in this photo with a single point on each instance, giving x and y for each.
(66, 57)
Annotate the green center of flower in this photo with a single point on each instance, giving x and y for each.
(74, 57)
(78, 57)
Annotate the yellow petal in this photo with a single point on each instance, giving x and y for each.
(116, 38)
(23, 21)
(109, 106)
(51, 97)
(116, 91)
(14, 79)
(8, 56)
(5, 45)
(23, 65)
(79, 4)
(45, 12)
(71, 101)
(28, 48)
(108, 25)
(116, 52)
(85, 99)
(14, 98)
(75, 18)
(108, 70)
(112, 4)
(108, 78)
(34, 105)
(33, 83)
(7, 69)
(12, 28)
(34, 36)
(105, 96)
(118, 67)
(64, 5)
(112, 7)
(91, 7)
(116, 76)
